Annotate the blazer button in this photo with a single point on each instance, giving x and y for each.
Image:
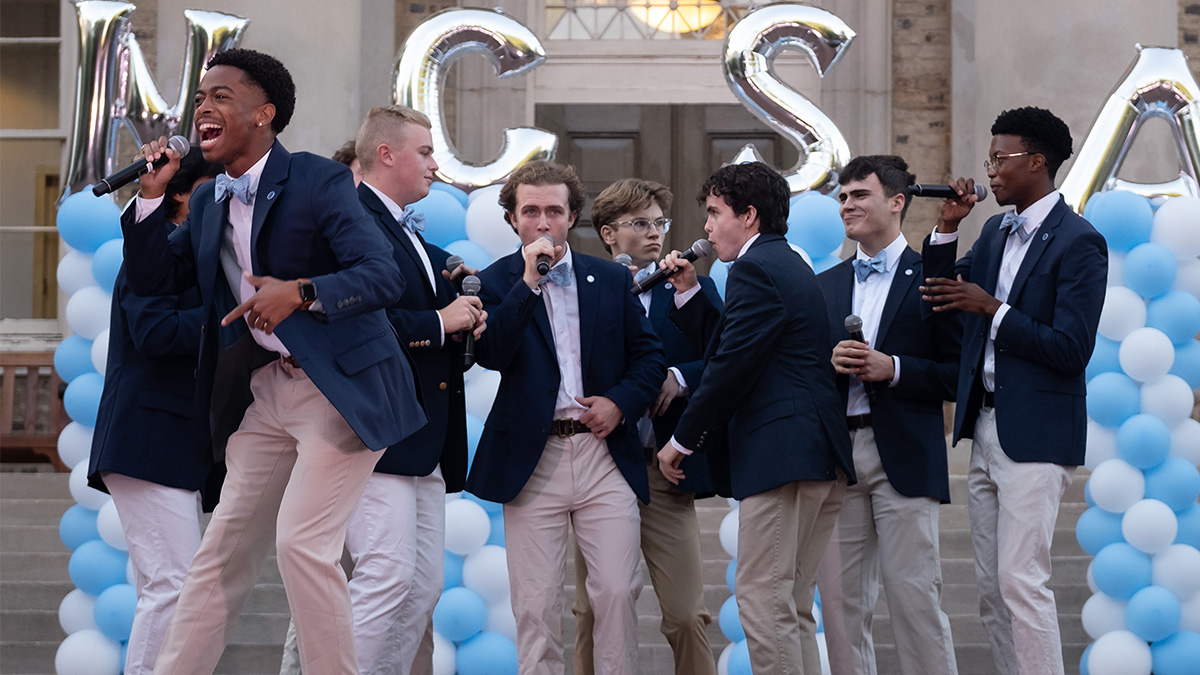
(442, 386)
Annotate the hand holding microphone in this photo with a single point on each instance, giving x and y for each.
(855, 357)
(676, 263)
(539, 256)
(470, 289)
(149, 167)
(960, 196)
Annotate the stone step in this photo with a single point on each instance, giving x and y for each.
(16, 566)
(34, 486)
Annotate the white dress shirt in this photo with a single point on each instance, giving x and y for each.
(869, 297)
(1010, 263)
(645, 425)
(562, 307)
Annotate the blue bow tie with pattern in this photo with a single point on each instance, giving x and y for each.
(864, 268)
(559, 275)
(1014, 223)
(642, 274)
(238, 187)
(412, 221)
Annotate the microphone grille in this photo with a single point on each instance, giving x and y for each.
(623, 259)
(179, 144)
(453, 263)
(853, 323)
(701, 248)
(981, 191)
(471, 285)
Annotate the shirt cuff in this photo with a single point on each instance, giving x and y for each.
(144, 207)
(680, 447)
(317, 307)
(441, 329)
(936, 237)
(683, 386)
(1000, 313)
(896, 376)
(682, 297)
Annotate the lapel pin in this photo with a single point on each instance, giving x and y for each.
(1045, 236)
(270, 195)
(668, 284)
(908, 273)
(590, 278)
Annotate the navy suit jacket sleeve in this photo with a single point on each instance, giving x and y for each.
(509, 312)
(163, 263)
(692, 370)
(697, 319)
(159, 328)
(646, 366)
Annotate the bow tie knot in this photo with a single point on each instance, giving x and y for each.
(559, 275)
(1014, 223)
(864, 268)
(412, 221)
(238, 187)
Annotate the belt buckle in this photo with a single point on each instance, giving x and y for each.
(566, 428)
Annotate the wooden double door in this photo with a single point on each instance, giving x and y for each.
(677, 145)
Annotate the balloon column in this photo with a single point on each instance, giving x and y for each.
(1143, 526)
(98, 615)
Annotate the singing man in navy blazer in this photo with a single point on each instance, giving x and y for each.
(286, 236)
(579, 364)
(768, 387)
(889, 521)
(1030, 288)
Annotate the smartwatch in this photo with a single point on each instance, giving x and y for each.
(308, 292)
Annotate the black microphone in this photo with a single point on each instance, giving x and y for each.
(453, 263)
(543, 260)
(854, 328)
(470, 286)
(140, 166)
(944, 191)
(699, 249)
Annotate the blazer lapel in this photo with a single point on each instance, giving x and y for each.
(371, 200)
(208, 262)
(995, 258)
(1041, 240)
(516, 269)
(843, 299)
(270, 185)
(587, 295)
(906, 275)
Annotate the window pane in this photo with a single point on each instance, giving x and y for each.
(29, 86)
(25, 276)
(29, 18)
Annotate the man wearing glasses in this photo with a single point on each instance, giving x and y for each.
(1030, 289)
(628, 216)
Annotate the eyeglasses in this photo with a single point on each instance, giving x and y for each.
(642, 225)
(993, 163)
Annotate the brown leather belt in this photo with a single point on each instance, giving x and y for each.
(290, 361)
(854, 422)
(568, 427)
(989, 399)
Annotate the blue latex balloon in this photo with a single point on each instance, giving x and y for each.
(86, 221)
(114, 611)
(473, 254)
(496, 534)
(451, 190)
(1083, 660)
(730, 622)
(452, 569)
(825, 263)
(815, 225)
(459, 614)
(1175, 482)
(739, 660)
(1105, 358)
(1177, 314)
(1153, 613)
(1124, 218)
(719, 273)
(1113, 398)
(95, 566)
(1097, 528)
(73, 357)
(78, 526)
(82, 398)
(1144, 441)
(731, 575)
(1087, 495)
(1120, 570)
(1150, 270)
(106, 263)
(1187, 363)
(445, 218)
(1177, 654)
(1189, 526)
(486, 654)
(474, 433)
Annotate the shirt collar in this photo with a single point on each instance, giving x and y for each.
(1037, 211)
(255, 172)
(746, 246)
(894, 251)
(390, 204)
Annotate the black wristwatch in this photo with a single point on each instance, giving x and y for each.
(308, 292)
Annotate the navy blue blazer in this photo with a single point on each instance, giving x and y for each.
(681, 353)
(307, 222)
(622, 359)
(143, 429)
(439, 368)
(768, 382)
(907, 418)
(1045, 340)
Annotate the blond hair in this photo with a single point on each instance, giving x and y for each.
(384, 124)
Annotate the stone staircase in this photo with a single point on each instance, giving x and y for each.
(34, 579)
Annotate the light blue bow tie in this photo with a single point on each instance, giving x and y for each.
(559, 275)
(864, 268)
(412, 221)
(238, 187)
(1014, 223)
(642, 274)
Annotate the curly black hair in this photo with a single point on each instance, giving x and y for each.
(751, 184)
(891, 170)
(269, 75)
(192, 167)
(1041, 131)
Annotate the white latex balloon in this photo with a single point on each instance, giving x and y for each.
(1149, 525)
(443, 656)
(1101, 445)
(88, 311)
(1185, 441)
(1175, 226)
(1177, 569)
(728, 533)
(100, 351)
(1146, 354)
(486, 572)
(74, 444)
(1124, 311)
(1116, 266)
(481, 392)
(77, 612)
(1102, 614)
(1190, 614)
(1119, 653)
(1116, 485)
(75, 272)
(1187, 279)
(467, 527)
(1169, 398)
(1091, 578)
(108, 523)
(88, 652)
(723, 660)
(823, 650)
(486, 225)
(500, 620)
(87, 496)
(131, 574)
